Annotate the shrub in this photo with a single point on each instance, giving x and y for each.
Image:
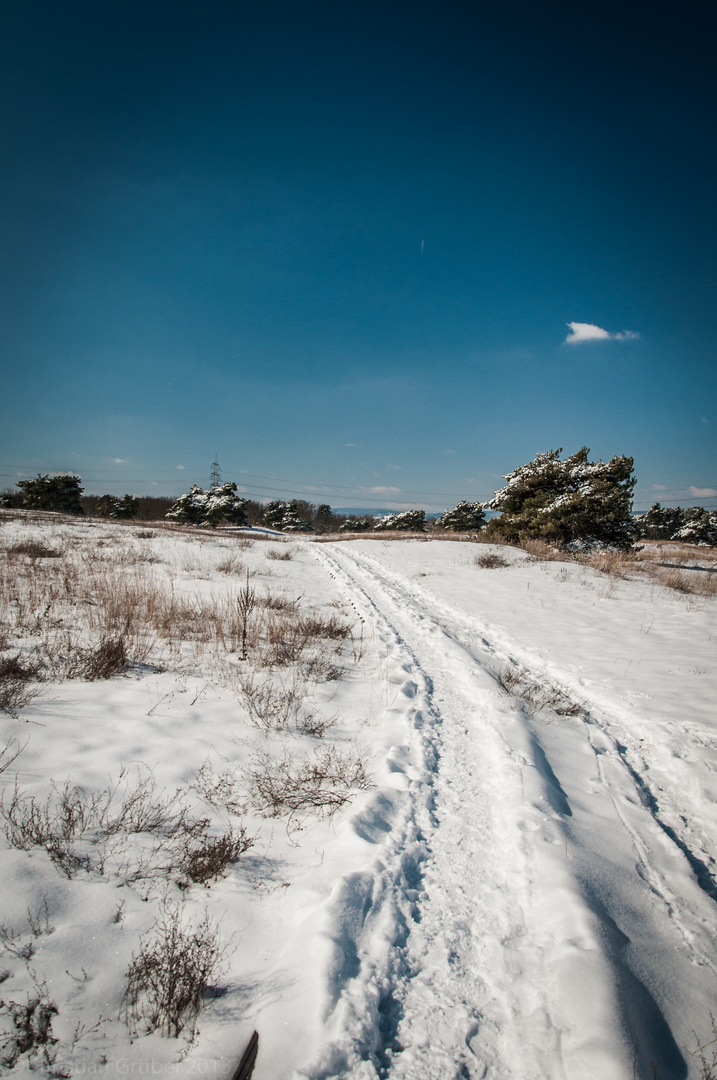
(490, 561)
(16, 689)
(285, 555)
(58, 493)
(321, 784)
(466, 517)
(203, 858)
(407, 521)
(169, 977)
(565, 502)
(30, 1032)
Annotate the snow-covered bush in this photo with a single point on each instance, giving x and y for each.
(407, 521)
(59, 493)
(466, 517)
(219, 505)
(565, 502)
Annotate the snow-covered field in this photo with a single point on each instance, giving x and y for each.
(420, 818)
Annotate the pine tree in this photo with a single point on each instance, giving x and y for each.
(699, 526)
(58, 493)
(224, 505)
(125, 508)
(324, 519)
(659, 522)
(466, 517)
(567, 502)
(353, 523)
(219, 505)
(274, 514)
(105, 505)
(286, 516)
(407, 521)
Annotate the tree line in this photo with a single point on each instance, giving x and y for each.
(566, 502)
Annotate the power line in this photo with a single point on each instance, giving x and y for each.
(306, 487)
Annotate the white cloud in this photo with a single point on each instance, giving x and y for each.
(659, 487)
(704, 420)
(379, 490)
(702, 493)
(582, 331)
(180, 467)
(120, 460)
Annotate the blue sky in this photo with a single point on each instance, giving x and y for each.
(339, 245)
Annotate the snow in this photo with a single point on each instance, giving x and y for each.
(520, 894)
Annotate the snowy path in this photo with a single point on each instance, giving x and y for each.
(536, 911)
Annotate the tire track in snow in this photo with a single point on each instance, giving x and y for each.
(469, 990)
(673, 820)
(452, 1006)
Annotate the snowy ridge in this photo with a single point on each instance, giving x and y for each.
(549, 924)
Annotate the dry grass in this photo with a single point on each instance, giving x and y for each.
(100, 610)
(34, 550)
(88, 831)
(544, 552)
(537, 694)
(231, 565)
(679, 573)
(90, 602)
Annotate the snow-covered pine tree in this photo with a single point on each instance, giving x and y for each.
(353, 523)
(125, 508)
(286, 516)
(659, 522)
(466, 517)
(223, 505)
(564, 502)
(189, 508)
(274, 514)
(407, 521)
(219, 505)
(699, 526)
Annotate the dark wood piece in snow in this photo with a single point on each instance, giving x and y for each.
(246, 1066)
